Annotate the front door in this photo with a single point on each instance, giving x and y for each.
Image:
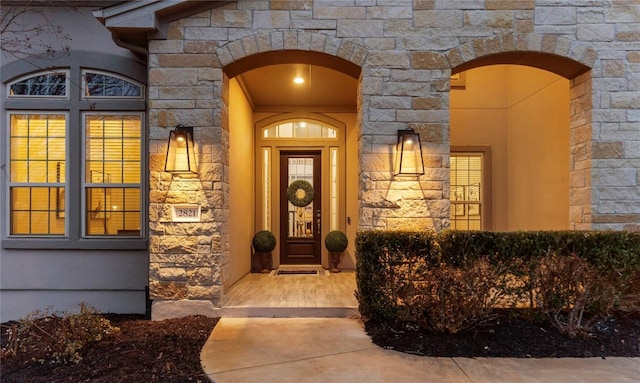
(300, 210)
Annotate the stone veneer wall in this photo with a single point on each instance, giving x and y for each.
(406, 50)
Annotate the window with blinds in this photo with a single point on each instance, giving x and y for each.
(112, 173)
(74, 174)
(466, 193)
(37, 182)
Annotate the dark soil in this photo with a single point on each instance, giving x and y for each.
(517, 336)
(169, 351)
(142, 351)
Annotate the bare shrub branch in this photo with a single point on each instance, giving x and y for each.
(568, 288)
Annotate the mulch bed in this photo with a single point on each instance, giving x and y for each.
(513, 335)
(169, 350)
(142, 351)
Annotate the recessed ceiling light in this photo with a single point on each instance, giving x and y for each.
(298, 80)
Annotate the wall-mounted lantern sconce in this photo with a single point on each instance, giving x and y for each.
(181, 157)
(408, 154)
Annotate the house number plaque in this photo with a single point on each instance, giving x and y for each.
(185, 213)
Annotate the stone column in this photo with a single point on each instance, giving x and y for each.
(580, 163)
(187, 259)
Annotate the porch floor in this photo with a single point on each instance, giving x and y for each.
(269, 295)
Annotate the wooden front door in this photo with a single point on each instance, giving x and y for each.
(300, 222)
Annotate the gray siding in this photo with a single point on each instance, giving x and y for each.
(36, 279)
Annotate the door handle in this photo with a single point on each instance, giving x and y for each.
(318, 220)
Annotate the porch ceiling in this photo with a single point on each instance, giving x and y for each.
(271, 89)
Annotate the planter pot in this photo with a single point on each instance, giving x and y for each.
(265, 262)
(335, 261)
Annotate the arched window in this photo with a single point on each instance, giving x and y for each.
(99, 84)
(44, 84)
(299, 129)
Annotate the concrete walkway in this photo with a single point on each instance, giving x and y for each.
(338, 350)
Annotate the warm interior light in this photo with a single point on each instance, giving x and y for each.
(298, 80)
(302, 124)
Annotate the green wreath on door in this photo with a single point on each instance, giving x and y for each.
(300, 193)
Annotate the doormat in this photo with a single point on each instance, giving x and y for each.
(297, 272)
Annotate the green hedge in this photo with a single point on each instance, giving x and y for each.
(453, 280)
(610, 249)
(379, 255)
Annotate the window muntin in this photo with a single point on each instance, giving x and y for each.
(113, 147)
(299, 129)
(466, 193)
(37, 182)
(100, 85)
(46, 84)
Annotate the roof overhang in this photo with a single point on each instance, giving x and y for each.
(133, 23)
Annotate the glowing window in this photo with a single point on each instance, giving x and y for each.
(266, 188)
(333, 187)
(466, 193)
(300, 129)
(37, 182)
(113, 149)
(74, 169)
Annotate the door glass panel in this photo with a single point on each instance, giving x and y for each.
(300, 222)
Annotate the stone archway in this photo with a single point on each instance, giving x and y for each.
(231, 54)
(190, 262)
(256, 51)
(570, 59)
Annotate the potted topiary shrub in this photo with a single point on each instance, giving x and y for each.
(336, 242)
(263, 244)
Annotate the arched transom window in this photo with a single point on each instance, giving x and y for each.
(300, 129)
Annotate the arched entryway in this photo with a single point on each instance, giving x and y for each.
(509, 165)
(280, 131)
(527, 107)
